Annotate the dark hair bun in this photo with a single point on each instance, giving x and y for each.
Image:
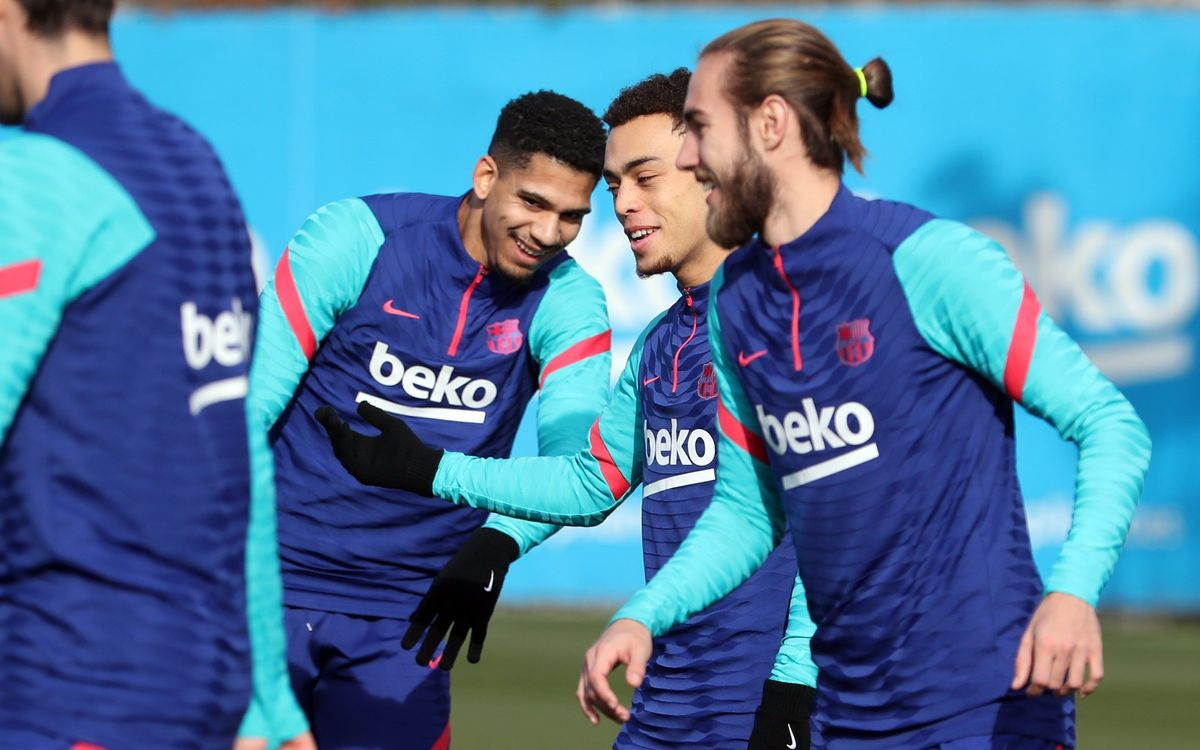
(879, 83)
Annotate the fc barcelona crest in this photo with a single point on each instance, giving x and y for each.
(855, 344)
(504, 337)
(706, 385)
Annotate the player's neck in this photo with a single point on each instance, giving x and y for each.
(699, 266)
(470, 227)
(45, 58)
(803, 193)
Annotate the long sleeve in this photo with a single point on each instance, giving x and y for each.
(273, 711)
(577, 490)
(972, 306)
(320, 275)
(741, 526)
(46, 262)
(569, 339)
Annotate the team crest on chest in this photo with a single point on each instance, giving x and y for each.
(504, 336)
(855, 344)
(706, 384)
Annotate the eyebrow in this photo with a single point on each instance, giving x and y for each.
(690, 116)
(631, 165)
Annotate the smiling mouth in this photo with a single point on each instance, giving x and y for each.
(530, 251)
(639, 234)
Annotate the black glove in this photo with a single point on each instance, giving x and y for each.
(781, 721)
(462, 598)
(394, 458)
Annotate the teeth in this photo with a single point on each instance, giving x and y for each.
(640, 233)
(527, 249)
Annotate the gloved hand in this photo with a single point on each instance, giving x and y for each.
(781, 720)
(394, 458)
(462, 598)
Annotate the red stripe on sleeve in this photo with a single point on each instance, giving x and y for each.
(20, 277)
(293, 308)
(740, 433)
(617, 484)
(1020, 349)
(589, 347)
(443, 741)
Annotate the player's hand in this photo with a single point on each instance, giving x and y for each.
(461, 598)
(625, 642)
(1061, 651)
(394, 458)
(299, 742)
(781, 720)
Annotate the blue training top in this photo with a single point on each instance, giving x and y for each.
(125, 477)
(867, 372)
(377, 300)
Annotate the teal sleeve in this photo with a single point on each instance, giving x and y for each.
(793, 661)
(741, 526)
(273, 711)
(65, 225)
(569, 338)
(972, 306)
(320, 275)
(578, 490)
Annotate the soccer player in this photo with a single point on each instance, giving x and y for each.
(868, 355)
(705, 681)
(452, 311)
(129, 542)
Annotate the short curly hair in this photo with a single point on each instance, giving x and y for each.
(545, 122)
(50, 18)
(657, 95)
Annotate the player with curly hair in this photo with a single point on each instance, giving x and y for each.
(452, 311)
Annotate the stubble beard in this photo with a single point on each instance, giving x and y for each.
(745, 200)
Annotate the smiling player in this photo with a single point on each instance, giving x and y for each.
(452, 311)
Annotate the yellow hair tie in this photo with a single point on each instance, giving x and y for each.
(862, 81)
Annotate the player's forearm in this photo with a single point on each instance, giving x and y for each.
(274, 712)
(793, 662)
(1114, 455)
(562, 490)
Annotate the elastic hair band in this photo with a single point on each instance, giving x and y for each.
(862, 82)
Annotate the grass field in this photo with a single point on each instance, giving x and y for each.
(522, 694)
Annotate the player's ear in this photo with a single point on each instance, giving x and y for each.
(484, 177)
(770, 121)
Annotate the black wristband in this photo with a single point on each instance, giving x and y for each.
(786, 700)
(489, 545)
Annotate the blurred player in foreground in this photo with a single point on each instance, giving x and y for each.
(452, 311)
(129, 543)
(868, 356)
(708, 674)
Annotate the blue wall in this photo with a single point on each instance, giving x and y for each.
(1072, 135)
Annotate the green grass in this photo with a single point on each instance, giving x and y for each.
(522, 695)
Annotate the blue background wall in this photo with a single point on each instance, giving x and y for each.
(1072, 135)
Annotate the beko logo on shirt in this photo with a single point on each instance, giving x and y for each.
(678, 447)
(224, 339)
(421, 382)
(817, 429)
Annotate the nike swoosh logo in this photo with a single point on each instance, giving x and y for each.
(491, 580)
(648, 381)
(743, 360)
(791, 745)
(435, 661)
(390, 310)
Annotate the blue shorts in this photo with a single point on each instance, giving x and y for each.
(359, 689)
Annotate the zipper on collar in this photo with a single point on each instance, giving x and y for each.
(796, 360)
(687, 296)
(462, 310)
